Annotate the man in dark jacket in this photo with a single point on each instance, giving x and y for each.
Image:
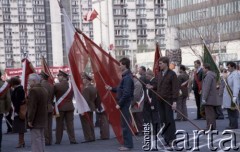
(49, 87)
(197, 86)
(181, 103)
(168, 89)
(209, 96)
(37, 112)
(124, 97)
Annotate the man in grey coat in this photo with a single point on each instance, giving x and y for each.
(209, 96)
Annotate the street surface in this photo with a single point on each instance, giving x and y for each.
(9, 141)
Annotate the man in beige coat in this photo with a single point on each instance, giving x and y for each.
(66, 110)
(49, 87)
(37, 112)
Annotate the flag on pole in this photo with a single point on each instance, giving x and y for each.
(77, 58)
(91, 15)
(158, 54)
(106, 72)
(26, 71)
(46, 69)
(207, 58)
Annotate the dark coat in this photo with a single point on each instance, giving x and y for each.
(183, 77)
(90, 94)
(209, 91)
(125, 90)
(37, 106)
(199, 77)
(59, 90)
(168, 87)
(50, 89)
(17, 98)
(5, 100)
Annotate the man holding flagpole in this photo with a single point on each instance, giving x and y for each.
(64, 95)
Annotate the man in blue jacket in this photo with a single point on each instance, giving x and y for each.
(124, 97)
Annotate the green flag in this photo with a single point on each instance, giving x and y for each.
(207, 58)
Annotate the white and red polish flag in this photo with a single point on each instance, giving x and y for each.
(77, 58)
(91, 15)
(27, 69)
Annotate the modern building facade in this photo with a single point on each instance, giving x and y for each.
(138, 25)
(23, 29)
(217, 21)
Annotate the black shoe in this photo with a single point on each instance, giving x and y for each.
(87, 141)
(220, 118)
(177, 119)
(57, 143)
(73, 142)
(231, 127)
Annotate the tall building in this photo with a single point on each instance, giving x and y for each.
(35, 27)
(23, 29)
(217, 21)
(138, 25)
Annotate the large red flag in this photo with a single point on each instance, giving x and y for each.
(77, 58)
(106, 71)
(26, 71)
(158, 54)
(46, 69)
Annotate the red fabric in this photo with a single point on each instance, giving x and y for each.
(158, 54)
(91, 15)
(106, 71)
(29, 69)
(46, 69)
(199, 84)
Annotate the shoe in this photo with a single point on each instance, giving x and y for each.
(220, 118)
(57, 143)
(20, 145)
(86, 141)
(123, 148)
(48, 144)
(73, 142)
(229, 127)
(177, 119)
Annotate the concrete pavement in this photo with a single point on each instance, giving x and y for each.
(9, 141)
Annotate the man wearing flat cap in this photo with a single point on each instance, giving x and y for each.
(92, 97)
(66, 109)
(50, 89)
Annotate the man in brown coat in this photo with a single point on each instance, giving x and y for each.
(94, 102)
(37, 112)
(168, 89)
(66, 110)
(209, 96)
(5, 103)
(49, 87)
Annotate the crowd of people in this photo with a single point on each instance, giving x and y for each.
(144, 96)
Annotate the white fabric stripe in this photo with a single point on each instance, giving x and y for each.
(141, 100)
(81, 104)
(23, 74)
(3, 87)
(65, 94)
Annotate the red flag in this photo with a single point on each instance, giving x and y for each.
(27, 69)
(77, 58)
(158, 54)
(91, 15)
(46, 69)
(111, 47)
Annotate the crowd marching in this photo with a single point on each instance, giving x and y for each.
(142, 95)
